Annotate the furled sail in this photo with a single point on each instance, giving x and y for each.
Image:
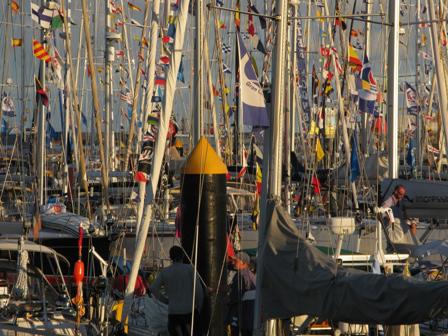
(298, 279)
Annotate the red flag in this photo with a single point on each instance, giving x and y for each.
(250, 23)
(316, 184)
(41, 93)
(165, 59)
(229, 248)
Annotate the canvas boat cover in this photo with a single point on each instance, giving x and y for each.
(298, 279)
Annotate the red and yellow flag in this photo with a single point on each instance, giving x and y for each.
(353, 59)
(16, 42)
(134, 7)
(40, 52)
(237, 15)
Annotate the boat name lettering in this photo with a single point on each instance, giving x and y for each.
(429, 199)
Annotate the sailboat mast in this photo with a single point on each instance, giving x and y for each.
(271, 185)
(345, 138)
(96, 105)
(42, 112)
(148, 98)
(159, 151)
(365, 116)
(392, 88)
(108, 57)
(439, 70)
(198, 112)
(418, 117)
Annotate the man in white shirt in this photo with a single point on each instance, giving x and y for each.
(397, 226)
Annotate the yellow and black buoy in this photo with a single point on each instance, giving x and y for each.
(203, 202)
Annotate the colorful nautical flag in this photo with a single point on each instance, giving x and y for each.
(411, 99)
(316, 184)
(367, 88)
(221, 24)
(41, 94)
(319, 151)
(171, 32)
(126, 96)
(226, 48)
(41, 15)
(16, 42)
(40, 52)
(164, 59)
(339, 21)
(137, 24)
(180, 73)
(243, 170)
(251, 94)
(355, 171)
(258, 179)
(58, 20)
(226, 69)
(159, 80)
(134, 7)
(15, 6)
(215, 91)
(51, 133)
(167, 39)
(260, 47)
(237, 15)
(353, 59)
(8, 108)
(410, 155)
(250, 23)
(262, 19)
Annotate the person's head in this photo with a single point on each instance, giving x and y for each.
(241, 260)
(176, 254)
(399, 192)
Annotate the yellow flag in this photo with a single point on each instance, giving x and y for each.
(314, 130)
(319, 14)
(16, 42)
(319, 151)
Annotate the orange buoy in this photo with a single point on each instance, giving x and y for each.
(78, 272)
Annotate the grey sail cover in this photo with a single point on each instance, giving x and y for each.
(298, 279)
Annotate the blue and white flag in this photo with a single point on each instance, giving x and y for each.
(41, 15)
(251, 94)
(411, 99)
(367, 88)
(8, 108)
(410, 155)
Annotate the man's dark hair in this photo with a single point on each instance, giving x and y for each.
(176, 253)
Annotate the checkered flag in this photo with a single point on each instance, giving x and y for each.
(226, 48)
(245, 35)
